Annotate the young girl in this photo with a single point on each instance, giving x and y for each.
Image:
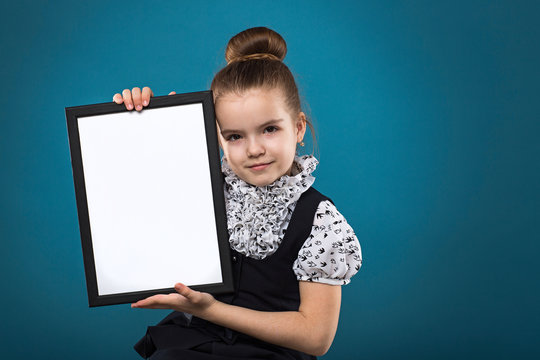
(291, 249)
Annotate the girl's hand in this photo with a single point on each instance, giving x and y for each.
(186, 300)
(135, 98)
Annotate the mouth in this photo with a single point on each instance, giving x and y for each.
(260, 166)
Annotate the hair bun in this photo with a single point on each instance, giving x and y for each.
(256, 43)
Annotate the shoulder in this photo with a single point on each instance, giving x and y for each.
(331, 254)
(328, 219)
(314, 197)
(326, 212)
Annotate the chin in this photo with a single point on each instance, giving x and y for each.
(260, 182)
(262, 179)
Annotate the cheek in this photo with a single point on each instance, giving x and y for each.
(289, 141)
(285, 147)
(232, 152)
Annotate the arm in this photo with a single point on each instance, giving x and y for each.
(311, 329)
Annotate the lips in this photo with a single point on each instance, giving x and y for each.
(259, 166)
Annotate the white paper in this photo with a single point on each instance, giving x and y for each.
(149, 199)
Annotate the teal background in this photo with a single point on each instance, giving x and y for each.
(428, 121)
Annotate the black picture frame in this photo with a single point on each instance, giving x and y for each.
(132, 212)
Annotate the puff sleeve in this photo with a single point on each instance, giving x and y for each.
(332, 253)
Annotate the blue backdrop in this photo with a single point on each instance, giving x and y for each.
(428, 123)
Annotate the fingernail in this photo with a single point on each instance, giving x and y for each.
(130, 106)
(145, 102)
(139, 107)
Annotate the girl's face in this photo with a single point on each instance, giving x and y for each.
(258, 135)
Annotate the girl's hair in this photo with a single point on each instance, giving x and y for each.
(254, 60)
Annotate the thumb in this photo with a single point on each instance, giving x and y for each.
(183, 290)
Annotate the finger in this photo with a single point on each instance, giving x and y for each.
(117, 98)
(137, 101)
(192, 296)
(172, 93)
(128, 101)
(156, 302)
(144, 302)
(184, 291)
(146, 95)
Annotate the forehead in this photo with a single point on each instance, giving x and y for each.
(250, 108)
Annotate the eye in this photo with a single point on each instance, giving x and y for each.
(270, 129)
(233, 137)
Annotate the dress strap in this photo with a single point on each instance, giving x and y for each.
(302, 218)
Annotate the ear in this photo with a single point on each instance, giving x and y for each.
(300, 127)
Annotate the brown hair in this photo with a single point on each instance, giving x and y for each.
(254, 60)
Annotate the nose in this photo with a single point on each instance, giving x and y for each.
(255, 148)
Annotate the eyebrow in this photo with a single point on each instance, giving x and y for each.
(224, 132)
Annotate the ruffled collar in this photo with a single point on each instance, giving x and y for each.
(256, 214)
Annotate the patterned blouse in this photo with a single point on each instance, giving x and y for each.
(258, 216)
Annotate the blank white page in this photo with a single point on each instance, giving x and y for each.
(149, 197)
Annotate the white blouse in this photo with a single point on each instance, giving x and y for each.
(258, 216)
(332, 253)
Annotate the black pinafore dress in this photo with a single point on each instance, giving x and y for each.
(266, 285)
